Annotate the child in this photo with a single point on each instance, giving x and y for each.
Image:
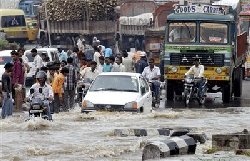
(7, 104)
(57, 86)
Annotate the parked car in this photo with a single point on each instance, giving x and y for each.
(118, 91)
(48, 52)
(5, 57)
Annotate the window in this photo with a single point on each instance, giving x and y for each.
(182, 32)
(145, 84)
(13, 21)
(244, 26)
(213, 33)
(5, 59)
(115, 83)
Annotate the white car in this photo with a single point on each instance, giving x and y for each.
(118, 91)
(5, 57)
(50, 52)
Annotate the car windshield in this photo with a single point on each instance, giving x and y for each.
(5, 59)
(213, 33)
(13, 21)
(182, 32)
(115, 83)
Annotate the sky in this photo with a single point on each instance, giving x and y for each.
(228, 2)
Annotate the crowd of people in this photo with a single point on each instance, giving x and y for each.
(59, 79)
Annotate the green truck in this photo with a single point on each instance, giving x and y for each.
(211, 34)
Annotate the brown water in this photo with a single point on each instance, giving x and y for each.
(76, 137)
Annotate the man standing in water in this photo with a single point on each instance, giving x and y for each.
(7, 104)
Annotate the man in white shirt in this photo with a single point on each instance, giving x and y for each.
(128, 62)
(90, 73)
(118, 66)
(152, 74)
(97, 55)
(198, 71)
(47, 93)
(37, 63)
(100, 66)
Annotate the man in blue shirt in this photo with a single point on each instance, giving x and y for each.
(107, 66)
(62, 55)
(142, 63)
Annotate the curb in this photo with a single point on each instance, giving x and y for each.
(141, 132)
(174, 146)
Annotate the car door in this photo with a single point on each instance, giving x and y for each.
(148, 94)
(146, 99)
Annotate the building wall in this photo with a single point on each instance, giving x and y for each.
(9, 4)
(134, 8)
(161, 13)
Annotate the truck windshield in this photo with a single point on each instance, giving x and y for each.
(213, 33)
(13, 21)
(182, 32)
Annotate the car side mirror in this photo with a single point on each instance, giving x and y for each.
(32, 91)
(143, 90)
(40, 90)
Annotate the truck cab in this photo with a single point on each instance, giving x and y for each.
(209, 33)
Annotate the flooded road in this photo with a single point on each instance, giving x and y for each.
(78, 137)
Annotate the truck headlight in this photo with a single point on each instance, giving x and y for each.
(218, 70)
(87, 104)
(130, 105)
(174, 69)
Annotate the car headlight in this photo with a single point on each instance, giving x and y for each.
(132, 105)
(174, 69)
(218, 70)
(188, 80)
(87, 104)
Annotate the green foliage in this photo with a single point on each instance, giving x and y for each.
(5, 45)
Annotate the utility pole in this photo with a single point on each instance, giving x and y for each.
(48, 25)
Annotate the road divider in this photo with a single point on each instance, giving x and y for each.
(233, 141)
(165, 148)
(141, 132)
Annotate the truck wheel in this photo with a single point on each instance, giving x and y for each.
(226, 95)
(238, 84)
(170, 92)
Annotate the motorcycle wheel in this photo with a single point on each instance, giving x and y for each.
(202, 101)
(186, 98)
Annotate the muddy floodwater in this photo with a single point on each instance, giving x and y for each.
(74, 136)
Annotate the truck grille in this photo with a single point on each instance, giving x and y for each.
(205, 59)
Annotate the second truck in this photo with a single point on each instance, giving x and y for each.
(211, 34)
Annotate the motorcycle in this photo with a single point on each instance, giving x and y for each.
(155, 99)
(82, 88)
(37, 105)
(191, 89)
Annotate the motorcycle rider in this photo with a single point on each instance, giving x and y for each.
(47, 92)
(198, 71)
(152, 73)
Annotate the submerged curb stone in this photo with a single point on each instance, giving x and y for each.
(165, 148)
(141, 132)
